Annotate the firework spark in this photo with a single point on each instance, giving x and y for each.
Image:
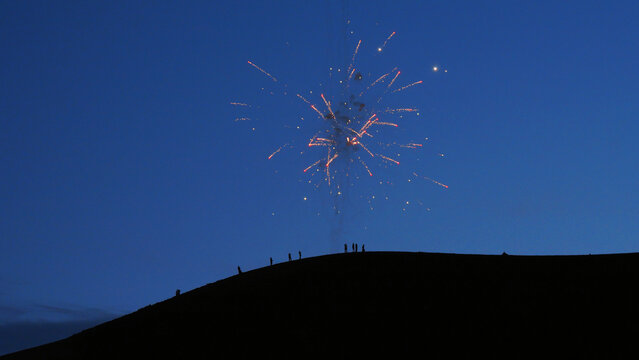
(365, 148)
(328, 105)
(386, 42)
(350, 76)
(407, 86)
(366, 167)
(393, 111)
(368, 123)
(412, 145)
(432, 180)
(385, 123)
(317, 141)
(354, 54)
(392, 81)
(389, 159)
(276, 151)
(328, 163)
(311, 166)
(328, 169)
(263, 71)
(381, 78)
(303, 99)
(317, 111)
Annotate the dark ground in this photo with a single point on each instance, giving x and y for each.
(386, 303)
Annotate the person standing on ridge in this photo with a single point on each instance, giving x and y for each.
(239, 271)
(300, 254)
(289, 257)
(355, 247)
(271, 261)
(345, 248)
(363, 250)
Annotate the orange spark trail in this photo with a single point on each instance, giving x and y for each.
(317, 111)
(242, 119)
(375, 82)
(325, 139)
(407, 86)
(239, 104)
(367, 169)
(276, 151)
(328, 105)
(354, 54)
(301, 97)
(434, 181)
(321, 142)
(411, 145)
(328, 171)
(378, 80)
(313, 164)
(263, 71)
(351, 75)
(385, 123)
(367, 125)
(386, 41)
(392, 111)
(389, 159)
(328, 163)
(365, 148)
(392, 81)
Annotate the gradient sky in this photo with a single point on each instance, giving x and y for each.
(124, 177)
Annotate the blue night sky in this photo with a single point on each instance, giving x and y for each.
(123, 175)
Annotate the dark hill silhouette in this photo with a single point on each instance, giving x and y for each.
(384, 303)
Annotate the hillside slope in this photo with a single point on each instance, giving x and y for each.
(383, 303)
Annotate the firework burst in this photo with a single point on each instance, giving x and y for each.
(354, 128)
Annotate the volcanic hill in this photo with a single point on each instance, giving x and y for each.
(384, 304)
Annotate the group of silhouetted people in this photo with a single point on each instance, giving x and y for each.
(290, 258)
(353, 247)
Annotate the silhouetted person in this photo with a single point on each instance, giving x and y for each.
(271, 261)
(363, 249)
(300, 254)
(345, 248)
(289, 257)
(239, 271)
(177, 292)
(355, 247)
